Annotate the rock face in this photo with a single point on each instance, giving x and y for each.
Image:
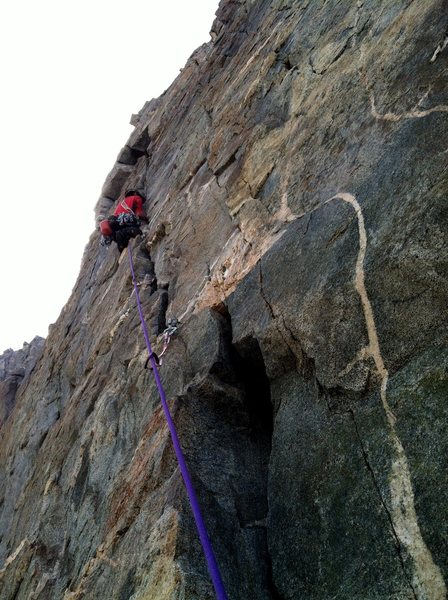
(15, 368)
(296, 175)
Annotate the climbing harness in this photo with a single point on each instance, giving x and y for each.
(202, 531)
(128, 220)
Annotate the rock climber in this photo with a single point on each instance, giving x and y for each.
(124, 224)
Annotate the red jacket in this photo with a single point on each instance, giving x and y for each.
(131, 205)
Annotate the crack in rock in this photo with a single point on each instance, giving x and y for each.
(428, 581)
(383, 503)
(296, 356)
(427, 577)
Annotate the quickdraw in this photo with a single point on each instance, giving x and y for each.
(173, 325)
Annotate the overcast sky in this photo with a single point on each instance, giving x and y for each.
(72, 73)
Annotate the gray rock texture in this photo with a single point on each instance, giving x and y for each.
(15, 368)
(296, 176)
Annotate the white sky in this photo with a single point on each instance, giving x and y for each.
(71, 74)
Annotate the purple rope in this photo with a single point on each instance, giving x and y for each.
(203, 535)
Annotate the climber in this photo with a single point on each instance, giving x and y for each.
(124, 224)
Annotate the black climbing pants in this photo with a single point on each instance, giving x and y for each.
(124, 234)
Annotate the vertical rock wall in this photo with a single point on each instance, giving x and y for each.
(296, 177)
(15, 368)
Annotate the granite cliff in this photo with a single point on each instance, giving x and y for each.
(296, 175)
(15, 368)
